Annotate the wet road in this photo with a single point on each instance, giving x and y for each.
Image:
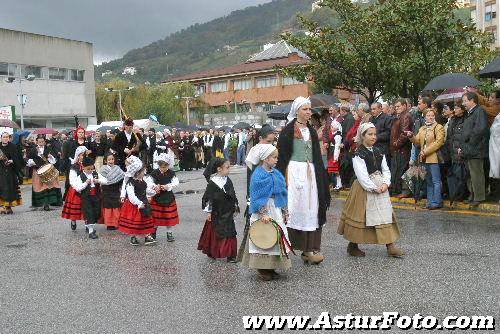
(54, 280)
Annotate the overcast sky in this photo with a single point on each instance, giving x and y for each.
(114, 26)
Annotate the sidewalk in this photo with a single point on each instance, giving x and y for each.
(489, 208)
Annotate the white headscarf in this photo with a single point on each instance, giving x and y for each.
(362, 129)
(168, 158)
(258, 153)
(79, 150)
(134, 165)
(296, 105)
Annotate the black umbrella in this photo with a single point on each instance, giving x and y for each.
(491, 70)
(457, 182)
(280, 112)
(242, 125)
(415, 179)
(104, 128)
(224, 128)
(451, 80)
(323, 101)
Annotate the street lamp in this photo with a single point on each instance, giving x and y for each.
(111, 90)
(188, 100)
(21, 96)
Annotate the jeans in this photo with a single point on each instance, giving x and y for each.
(240, 155)
(226, 153)
(433, 180)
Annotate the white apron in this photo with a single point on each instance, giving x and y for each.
(378, 206)
(302, 197)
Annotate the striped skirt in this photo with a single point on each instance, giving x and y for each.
(133, 221)
(164, 215)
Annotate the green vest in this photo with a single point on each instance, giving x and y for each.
(302, 151)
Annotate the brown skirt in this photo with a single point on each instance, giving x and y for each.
(304, 240)
(262, 261)
(353, 221)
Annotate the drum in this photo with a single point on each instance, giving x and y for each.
(263, 235)
(47, 173)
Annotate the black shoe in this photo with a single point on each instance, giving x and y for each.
(231, 259)
(86, 229)
(134, 241)
(73, 225)
(475, 204)
(111, 228)
(93, 235)
(149, 240)
(170, 237)
(46, 207)
(153, 235)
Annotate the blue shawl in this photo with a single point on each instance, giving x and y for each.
(265, 185)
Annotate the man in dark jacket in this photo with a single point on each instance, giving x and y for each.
(347, 120)
(400, 147)
(475, 150)
(383, 123)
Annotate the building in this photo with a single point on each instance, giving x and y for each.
(63, 85)
(254, 85)
(484, 15)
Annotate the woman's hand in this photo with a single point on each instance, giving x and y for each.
(209, 217)
(122, 199)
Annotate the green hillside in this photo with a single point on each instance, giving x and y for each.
(222, 42)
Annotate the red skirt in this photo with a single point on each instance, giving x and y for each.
(213, 246)
(72, 208)
(111, 217)
(133, 222)
(164, 215)
(333, 166)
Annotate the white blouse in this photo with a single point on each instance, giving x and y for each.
(364, 180)
(132, 197)
(76, 182)
(220, 181)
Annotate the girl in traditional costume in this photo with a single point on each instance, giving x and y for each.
(72, 209)
(87, 185)
(308, 194)
(218, 238)
(44, 194)
(334, 155)
(368, 217)
(268, 202)
(10, 163)
(164, 208)
(135, 218)
(111, 179)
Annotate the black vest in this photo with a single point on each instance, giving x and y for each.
(373, 160)
(164, 197)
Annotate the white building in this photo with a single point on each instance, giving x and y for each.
(129, 71)
(484, 15)
(64, 84)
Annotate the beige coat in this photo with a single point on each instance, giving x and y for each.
(430, 139)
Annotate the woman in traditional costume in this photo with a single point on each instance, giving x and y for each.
(111, 179)
(218, 238)
(164, 207)
(268, 204)
(72, 209)
(334, 155)
(308, 195)
(368, 217)
(10, 163)
(44, 194)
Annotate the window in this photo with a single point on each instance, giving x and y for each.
(76, 75)
(242, 84)
(32, 70)
(4, 69)
(220, 86)
(201, 89)
(264, 82)
(288, 81)
(13, 70)
(490, 13)
(58, 73)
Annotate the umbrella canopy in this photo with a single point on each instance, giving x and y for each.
(242, 125)
(451, 80)
(280, 112)
(7, 123)
(450, 95)
(18, 135)
(224, 128)
(180, 126)
(491, 70)
(44, 131)
(323, 101)
(104, 128)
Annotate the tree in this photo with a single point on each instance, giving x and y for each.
(388, 48)
(143, 101)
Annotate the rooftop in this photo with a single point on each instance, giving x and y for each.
(279, 50)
